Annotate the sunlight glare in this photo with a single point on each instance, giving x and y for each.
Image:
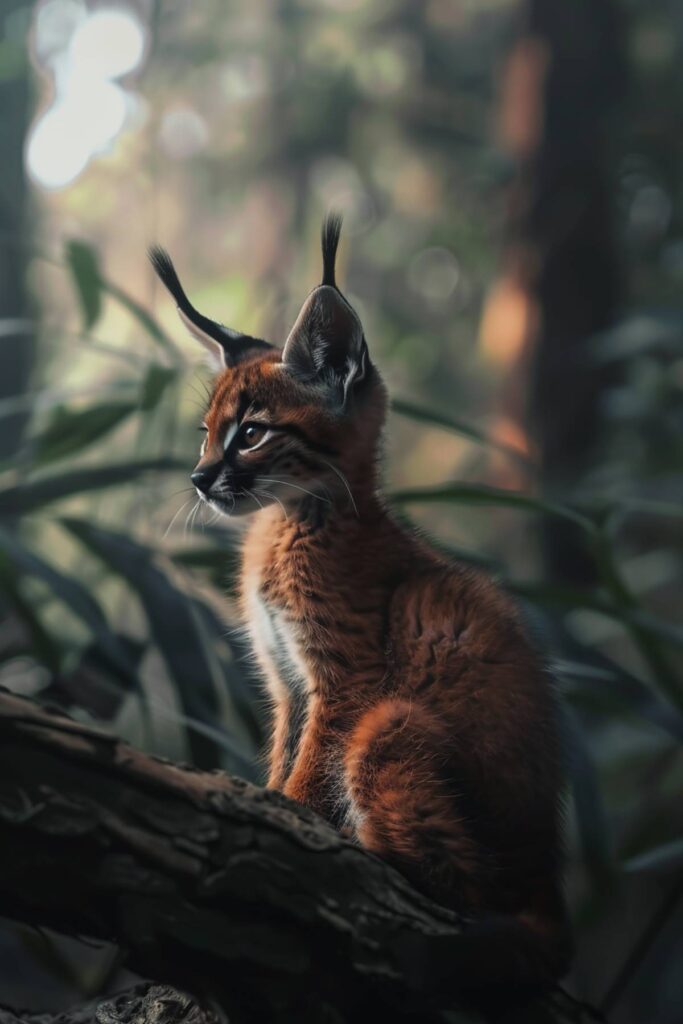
(56, 154)
(108, 44)
(90, 108)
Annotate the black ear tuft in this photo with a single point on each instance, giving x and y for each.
(326, 345)
(226, 346)
(331, 231)
(163, 265)
(166, 272)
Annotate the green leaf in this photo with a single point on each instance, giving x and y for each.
(447, 422)
(34, 495)
(556, 596)
(175, 625)
(667, 631)
(82, 261)
(145, 319)
(553, 596)
(43, 647)
(620, 592)
(246, 698)
(590, 811)
(481, 494)
(200, 558)
(661, 858)
(72, 593)
(48, 398)
(69, 431)
(613, 690)
(89, 684)
(647, 506)
(220, 562)
(154, 386)
(644, 332)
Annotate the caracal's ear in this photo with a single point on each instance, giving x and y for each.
(326, 344)
(224, 346)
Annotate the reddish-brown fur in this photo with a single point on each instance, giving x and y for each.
(409, 707)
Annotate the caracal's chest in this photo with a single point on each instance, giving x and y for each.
(274, 611)
(278, 641)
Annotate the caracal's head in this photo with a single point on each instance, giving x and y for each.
(286, 423)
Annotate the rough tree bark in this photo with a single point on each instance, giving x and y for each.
(144, 1004)
(231, 892)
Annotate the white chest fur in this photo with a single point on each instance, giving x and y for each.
(277, 646)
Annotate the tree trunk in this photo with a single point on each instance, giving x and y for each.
(17, 341)
(563, 82)
(234, 893)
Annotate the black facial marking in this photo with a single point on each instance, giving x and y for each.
(295, 431)
(292, 430)
(303, 460)
(313, 513)
(338, 657)
(243, 404)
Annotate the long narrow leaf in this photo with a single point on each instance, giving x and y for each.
(146, 321)
(667, 631)
(48, 398)
(661, 858)
(35, 494)
(72, 431)
(590, 811)
(72, 593)
(613, 690)
(481, 494)
(246, 699)
(551, 595)
(82, 261)
(155, 384)
(417, 412)
(172, 620)
(42, 645)
(112, 693)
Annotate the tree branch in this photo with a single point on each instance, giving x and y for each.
(211, 884)
(144, 1004)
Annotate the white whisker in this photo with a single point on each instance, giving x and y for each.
(288, 483)
(194, 513)
(346, 484)
(269, 494)
(187, 518)
(177, 513)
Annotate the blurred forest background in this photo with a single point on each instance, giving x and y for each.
(511, 175)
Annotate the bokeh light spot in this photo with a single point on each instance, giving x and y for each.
(434, 274)
(85, 53)
(108, 44)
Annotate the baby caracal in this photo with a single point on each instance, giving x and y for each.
(409, 708)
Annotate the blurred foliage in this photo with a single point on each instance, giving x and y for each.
(246, 124)
(88, 663)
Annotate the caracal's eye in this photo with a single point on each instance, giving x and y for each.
(252, 435)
